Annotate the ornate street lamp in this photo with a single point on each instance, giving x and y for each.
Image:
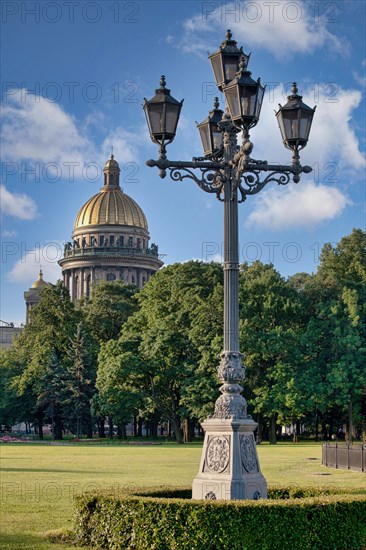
(244, 98)
(225, 61)
(294, 120)
(210, 133)
(229, 467)
(162, 115)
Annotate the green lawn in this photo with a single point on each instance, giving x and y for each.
(38, 481)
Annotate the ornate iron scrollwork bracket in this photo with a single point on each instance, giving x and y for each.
(211, 179)
(248, 177)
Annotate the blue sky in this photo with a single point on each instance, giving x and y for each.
(74, 75)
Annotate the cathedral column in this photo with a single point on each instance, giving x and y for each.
(82, 284)
(73, 287)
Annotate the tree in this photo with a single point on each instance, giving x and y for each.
(79, 382)
(13, 407)
(270, 310)
(44, 345)
(158, 344)
(109, 307)
(50, 393)
(342, 271)
(118, 396)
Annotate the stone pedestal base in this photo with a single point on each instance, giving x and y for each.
(229, 468)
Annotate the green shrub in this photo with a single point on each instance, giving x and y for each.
(167, 518)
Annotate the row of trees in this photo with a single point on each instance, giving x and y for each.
(151, 355)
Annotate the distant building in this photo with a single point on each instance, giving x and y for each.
(110, 240)
(33, 295)
(7, 334)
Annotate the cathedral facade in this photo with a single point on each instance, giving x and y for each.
(110, 240)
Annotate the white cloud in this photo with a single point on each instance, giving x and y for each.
(359, 78)
(44, 256)
(125, 144)
(283, 28)
(337, 163)
(40, 133)
(9, 233)
(301, 206)
(333, 157)
(35, 129)
(18, 205)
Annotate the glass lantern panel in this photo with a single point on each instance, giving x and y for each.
(259, 101)
(233, 102)
(305, 123)
(281, 125)
(172, 115)
(155, 118)
(231, 67)
(248, 101)
(217, 139)
(217, 69)
(205, 138)
(291, 124)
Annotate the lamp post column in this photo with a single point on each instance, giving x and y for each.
(229, 468)
(231, 246)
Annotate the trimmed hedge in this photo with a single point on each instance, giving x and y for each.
(167, 518)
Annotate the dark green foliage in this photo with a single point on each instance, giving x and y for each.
(108, 308)
(165, 359)
(154, 519)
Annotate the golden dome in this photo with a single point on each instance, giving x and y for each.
(112, 164)
(111, 207)
(39, 283)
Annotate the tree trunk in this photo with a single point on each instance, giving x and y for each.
(297, 429)
(259, 434)
(40, 417)
(139, 427)
(188, 430)
(57, 425)
(272, 430)
(101, 429)
(324, 431)
(89, 428)
(121, 430)
(177, 429)
(363, 420)
(78, 427)
(134, 426)
(110, 425)
(316, 425)
(331, 427)
(349, 434)
(154, 429)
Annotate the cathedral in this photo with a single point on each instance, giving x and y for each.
(110, 240)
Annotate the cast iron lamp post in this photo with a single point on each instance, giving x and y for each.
(229, 467)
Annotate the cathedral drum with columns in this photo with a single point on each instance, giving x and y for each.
(110, 240)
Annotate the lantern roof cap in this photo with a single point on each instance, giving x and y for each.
(294, 101)
(215, 115)
(162, 94)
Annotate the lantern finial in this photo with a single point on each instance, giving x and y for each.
(162, 82)
(216, 103)
(229, 34)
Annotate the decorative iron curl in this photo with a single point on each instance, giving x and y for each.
(253, 184)
(211, 181)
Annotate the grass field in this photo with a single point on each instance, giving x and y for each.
(38, 481)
